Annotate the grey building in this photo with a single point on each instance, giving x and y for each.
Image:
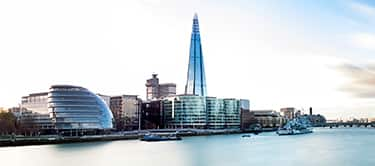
(126, 110)
(155, 90)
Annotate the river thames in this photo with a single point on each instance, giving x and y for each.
(324, 147)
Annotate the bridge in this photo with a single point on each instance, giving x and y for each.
(349, 124)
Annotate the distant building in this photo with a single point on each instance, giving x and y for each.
(126, 111)
(288, 112)
(268, 118)
(167, 89)
(35, 112)
(154, 90)
(152, 116)
(247, 117)
(317, 120)
(191, 111)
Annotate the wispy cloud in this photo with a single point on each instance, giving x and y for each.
(364, 40)
(363, 8)
(362, 80)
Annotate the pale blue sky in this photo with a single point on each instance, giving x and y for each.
(275, 53)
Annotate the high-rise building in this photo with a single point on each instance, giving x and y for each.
(196, 76)
(154, 90)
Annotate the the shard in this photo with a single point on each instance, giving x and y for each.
(196, 77)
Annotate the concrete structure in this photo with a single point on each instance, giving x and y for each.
(167, 89)
(155, 90)
(288, 112)
(126, 111)
(196, 76)
(192, 111)
(268, 118)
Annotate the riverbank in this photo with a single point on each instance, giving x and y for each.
(56, 139)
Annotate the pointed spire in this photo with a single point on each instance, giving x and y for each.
(195, 16)
(195, 23)
(196, 78)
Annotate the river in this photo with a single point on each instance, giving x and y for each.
(324, 147)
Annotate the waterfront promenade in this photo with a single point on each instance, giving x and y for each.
(127, 135)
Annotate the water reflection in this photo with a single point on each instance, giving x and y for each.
(324, 147)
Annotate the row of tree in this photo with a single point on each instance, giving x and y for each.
(9, 125)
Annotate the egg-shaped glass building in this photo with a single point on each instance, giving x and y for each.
(74, 107)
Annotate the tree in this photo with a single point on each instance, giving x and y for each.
(7, 123)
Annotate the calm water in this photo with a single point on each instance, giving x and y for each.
(325, 147)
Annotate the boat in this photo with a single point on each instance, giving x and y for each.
(299, 125)
(290, 131)
(157, 137)
(246, 136)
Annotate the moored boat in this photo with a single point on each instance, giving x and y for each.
(156, 137)
(294, 131)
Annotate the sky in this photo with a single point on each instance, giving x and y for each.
(290, 53)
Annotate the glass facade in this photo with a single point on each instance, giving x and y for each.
(73, 107)
(196, 78)
(232, 113)
(215, 113)
(185, 111)
(191, 111)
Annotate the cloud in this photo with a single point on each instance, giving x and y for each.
(363, 8)
(364, 40)
(361, 80)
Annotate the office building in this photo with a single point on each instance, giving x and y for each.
(76, 108)
(185, 111)
(152, 116)
(196, 77)
(155, 90)
(192, 111)
(215, 113)
(35, 112)
(126, 111)
(65, 108)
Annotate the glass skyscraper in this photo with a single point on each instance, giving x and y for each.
(196, 77)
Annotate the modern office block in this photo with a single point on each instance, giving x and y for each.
(74, 107)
